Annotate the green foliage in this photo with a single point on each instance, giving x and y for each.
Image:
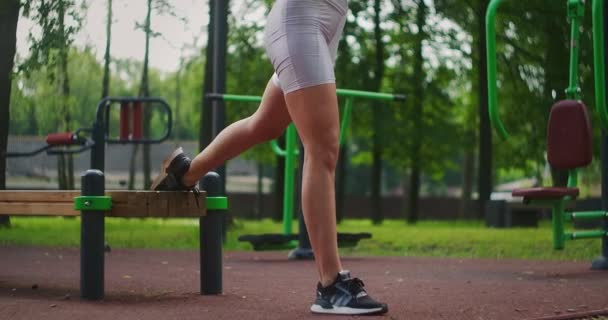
(56, 34)
(533, 57)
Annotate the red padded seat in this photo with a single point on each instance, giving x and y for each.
(568, 147)
(569, 135)
(550, 193)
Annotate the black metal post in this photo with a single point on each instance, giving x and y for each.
(304, 249)
(211, 239)
(99, 147)
(218, 122)
(601, 263)
(220, 31)
(92, 239)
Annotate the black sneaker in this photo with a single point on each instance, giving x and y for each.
(172, 170)
(346, 296)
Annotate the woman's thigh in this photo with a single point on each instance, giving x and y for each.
(301, 38)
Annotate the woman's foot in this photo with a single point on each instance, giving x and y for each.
(346, 296)
(172, 172)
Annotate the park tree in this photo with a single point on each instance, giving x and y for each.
(379, 117)
(160, 7)
(470, 18)
(105, 86)
(9, 16)
(418, 96)
(59, 21)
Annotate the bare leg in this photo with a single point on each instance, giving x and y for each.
(268, 122)
(314, 111)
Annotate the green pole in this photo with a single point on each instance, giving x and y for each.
(558, 225)
(598, 61)
(290, 160)
(345, 118)
(491, 58)
(369, 95)
(576, 10)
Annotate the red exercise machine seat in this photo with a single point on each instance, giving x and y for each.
(549, 193)
(568, 147)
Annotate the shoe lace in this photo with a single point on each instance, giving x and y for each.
(355, 286)
(197, 194)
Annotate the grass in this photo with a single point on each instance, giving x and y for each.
(466, 239)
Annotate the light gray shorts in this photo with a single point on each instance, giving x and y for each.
(301, 39)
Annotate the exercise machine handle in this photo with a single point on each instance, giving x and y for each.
(102, 121)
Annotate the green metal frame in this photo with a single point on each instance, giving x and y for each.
(576, 11)
(291, 151)
(99, 203)
(216, 203)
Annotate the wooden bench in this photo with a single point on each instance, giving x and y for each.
(93, 204)
(125, 204)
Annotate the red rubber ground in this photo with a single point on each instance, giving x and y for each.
(43, 283)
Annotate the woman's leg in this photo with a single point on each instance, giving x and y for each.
(268, 122)
(314, 111)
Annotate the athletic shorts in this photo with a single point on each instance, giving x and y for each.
(301, 39)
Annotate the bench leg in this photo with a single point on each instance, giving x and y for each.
(211, 239)
(92, 239)
(601, 263)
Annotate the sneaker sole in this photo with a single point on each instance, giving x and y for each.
(315, 308)
(163, 168)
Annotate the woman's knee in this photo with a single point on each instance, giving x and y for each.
(324, 153)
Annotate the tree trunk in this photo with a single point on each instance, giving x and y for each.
(417, 100)
(378, 121)
(556, 76)
(178, 100)
(105, 88)
(467, 183)
(484, 176)
(9, 16)
(206, 131)
(66, 161)
(145, 92)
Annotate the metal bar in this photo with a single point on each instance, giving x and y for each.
(587, 214)
(601, 263)
(98, 152)
(138, 121)
(491, 58)
(558, 225)
(27, 154)
(585, 234)
(210, 238)
(345, 118)
(277, 149)
(92, 239)
(303, 251)
(105, 103)
(369, 95)
(599, 61)
(340, 92)
(576, 10)
(124, 123)
(290, 160)
(572, 179)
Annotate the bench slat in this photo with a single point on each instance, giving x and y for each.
(37, 209)
(124, 203)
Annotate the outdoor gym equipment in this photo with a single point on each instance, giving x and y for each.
(93, 203)
(287, 240)
(569, 135)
